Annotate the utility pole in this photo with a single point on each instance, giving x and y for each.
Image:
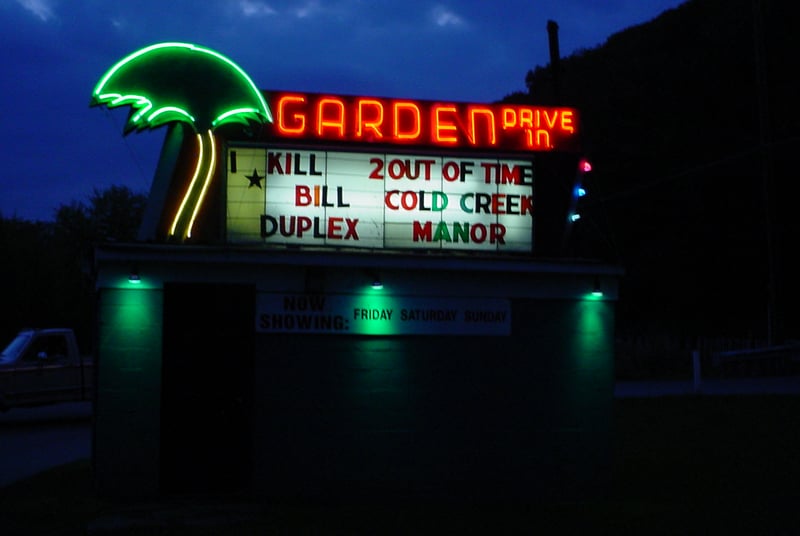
(555, 76)
(555, 59)
(765, 154)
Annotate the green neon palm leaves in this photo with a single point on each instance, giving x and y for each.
(170, 82)
(181, 82)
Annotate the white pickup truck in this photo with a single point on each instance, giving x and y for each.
(44, 366)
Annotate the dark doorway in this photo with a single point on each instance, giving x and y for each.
(206, 390)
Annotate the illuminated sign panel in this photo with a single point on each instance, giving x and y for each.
(371, 120)
(379, 200)
(381, 173)
(376, 314)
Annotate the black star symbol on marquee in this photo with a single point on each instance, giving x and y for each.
(255, 179)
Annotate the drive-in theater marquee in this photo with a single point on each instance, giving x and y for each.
(365, 172)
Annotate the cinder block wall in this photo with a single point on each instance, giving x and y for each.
(468, 417)
(128, 395)
(524, 415)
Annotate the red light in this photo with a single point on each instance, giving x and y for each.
(584, 166)
(374, 124)
(406, 107)
(407, 122)
(444, 131)
(297, 119)
(334, 120)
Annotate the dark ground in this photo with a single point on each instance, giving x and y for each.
(682, 465)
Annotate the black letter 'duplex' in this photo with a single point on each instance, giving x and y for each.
(268, 226)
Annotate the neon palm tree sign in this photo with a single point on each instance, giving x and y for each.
(169, 82)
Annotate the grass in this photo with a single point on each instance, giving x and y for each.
(684, 465)
(709, 464)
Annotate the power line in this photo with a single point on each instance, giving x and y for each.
(674, 176)
(134, 156)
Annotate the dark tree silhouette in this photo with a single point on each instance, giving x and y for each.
(670, 116)
(46, 277)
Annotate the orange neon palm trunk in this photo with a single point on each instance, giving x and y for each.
(192, 201)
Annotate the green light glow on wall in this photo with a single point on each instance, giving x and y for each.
(594, 295)
(592, 342)
(181, 82)
(133, 307)
(376, 301)
(597, 291)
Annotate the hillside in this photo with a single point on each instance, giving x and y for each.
(682, 195)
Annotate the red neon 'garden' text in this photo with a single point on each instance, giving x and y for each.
(510, 127)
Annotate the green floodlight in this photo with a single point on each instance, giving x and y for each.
(377, 282)
(597, 290)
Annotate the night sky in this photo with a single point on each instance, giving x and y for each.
(56, 149)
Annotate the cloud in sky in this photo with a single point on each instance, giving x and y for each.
(309, 9)
(304, 9)
(443, 16)
(252, 8)
(41, 9)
